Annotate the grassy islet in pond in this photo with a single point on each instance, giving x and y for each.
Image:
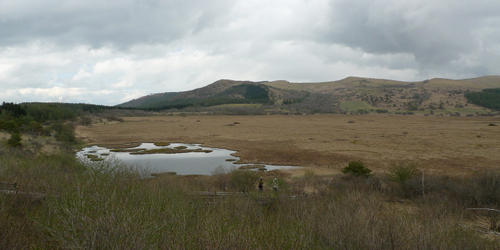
(175, 150)
(252, 167)
(93, 157)
(126, 150)
(170, 151)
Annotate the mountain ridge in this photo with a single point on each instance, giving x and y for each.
(347, 95)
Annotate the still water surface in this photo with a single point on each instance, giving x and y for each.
(199, 163)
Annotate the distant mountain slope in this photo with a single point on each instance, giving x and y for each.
(489, 98)
(217, 93)
(166, 99)
(349, 95)
(359, 82)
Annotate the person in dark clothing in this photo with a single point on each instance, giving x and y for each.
(261, 184)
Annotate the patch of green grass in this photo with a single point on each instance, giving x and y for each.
(93, 157)
(237, 105)
(127, 150)
(467, 110)
(354, 106)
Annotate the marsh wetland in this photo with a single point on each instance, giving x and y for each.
(360, 185)
(178, 158)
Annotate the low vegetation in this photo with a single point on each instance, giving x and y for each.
(14, 140)
(44, 119)
(170, 151)
(63, 203)
(127, 150)
(93, 157)
(489, 98)
(246, 167)
(108, 206)
(403, 173)
(357, 168)
(407, 177)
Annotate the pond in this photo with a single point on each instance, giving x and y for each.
(183, 159)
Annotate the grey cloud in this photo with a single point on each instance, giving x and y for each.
(435, 32)
(110, 51)
(99, 23)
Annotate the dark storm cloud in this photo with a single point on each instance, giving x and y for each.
(434, 32)
(99, 23)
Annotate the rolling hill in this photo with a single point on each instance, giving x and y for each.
(349, 95)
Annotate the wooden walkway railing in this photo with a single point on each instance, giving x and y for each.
(12, 189)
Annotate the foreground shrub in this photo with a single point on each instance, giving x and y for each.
(356, 168)
(482, 188)
(221, 177)
(64, 132)
(406, 178)
(403, 173)
(110, 207)
(243, 180)
(14, 140)
(11, 125)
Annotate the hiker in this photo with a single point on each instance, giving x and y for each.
(275, 184)
(261, 184)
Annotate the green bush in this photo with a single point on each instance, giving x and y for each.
(356, 168)
(406, 176)
(14, 140)
(64, 132)
(35, 127)
(402, 173)
(9, 125)
(243, 180)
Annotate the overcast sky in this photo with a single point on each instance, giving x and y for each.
(108, 52)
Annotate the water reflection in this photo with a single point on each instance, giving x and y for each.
(208, 162)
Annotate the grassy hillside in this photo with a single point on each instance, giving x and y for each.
(489, 98)
(221, 92)
(434, 96)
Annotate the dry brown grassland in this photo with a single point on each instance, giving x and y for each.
(324, 143)
(109, 206)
